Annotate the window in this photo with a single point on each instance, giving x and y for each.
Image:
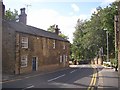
(66, 58)
(60, 59)
(54, 44)
(64, 46)
(23, 61)
(24, 42)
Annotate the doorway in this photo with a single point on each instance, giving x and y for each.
(34, 63)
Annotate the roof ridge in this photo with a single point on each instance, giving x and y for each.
(34, 30)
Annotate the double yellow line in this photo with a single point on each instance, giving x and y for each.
(93, 80)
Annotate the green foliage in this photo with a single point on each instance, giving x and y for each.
(51, 28)
(10, 15)
(62, 35)
(90, 35)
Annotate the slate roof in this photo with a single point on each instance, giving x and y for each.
(19, 27)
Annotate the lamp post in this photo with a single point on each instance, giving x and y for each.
(107, 45)
(116, 38)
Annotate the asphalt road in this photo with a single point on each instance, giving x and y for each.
(80, 76)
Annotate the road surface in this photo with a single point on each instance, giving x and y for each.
(77, 76)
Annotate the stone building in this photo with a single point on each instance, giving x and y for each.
(26, 48)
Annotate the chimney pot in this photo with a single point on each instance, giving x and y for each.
(22, 10)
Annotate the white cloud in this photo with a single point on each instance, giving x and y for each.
(93, 10)
(43, 18)
(107, 2)
(64, 0)
(75, 7)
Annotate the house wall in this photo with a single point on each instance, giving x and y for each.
(41, 47)
(8, 49)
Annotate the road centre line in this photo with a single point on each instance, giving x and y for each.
(72, 71)
(56, 78)
(30, 86)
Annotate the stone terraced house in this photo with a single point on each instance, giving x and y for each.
(26, 48)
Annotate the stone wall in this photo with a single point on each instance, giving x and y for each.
(39, 47)
(8, 48)
(42, 48)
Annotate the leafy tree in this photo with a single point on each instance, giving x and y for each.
(10, 15)
(51, 28)
(63, 36)
(90, 36)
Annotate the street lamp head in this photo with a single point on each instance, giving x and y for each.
(116, 7)
(105, 29)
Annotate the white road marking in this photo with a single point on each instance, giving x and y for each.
(30, 86)
(72, 71)
(56, 78)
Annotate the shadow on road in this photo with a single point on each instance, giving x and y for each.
(80, 79)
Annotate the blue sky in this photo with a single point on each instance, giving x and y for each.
(65, 13)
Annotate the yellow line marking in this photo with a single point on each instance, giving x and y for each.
(93, 80)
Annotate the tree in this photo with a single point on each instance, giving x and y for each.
(89, 35)
(77, 46)
(52, 29)
(10, 15)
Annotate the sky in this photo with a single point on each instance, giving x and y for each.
(65, 13)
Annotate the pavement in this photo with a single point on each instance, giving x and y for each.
(107, 79)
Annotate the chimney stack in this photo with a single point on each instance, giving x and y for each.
(23, 16)
(57, 30)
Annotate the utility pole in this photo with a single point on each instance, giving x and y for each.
(116, 38)
(107, 44)
(107, 47)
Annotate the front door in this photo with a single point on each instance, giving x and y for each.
(34, 63)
